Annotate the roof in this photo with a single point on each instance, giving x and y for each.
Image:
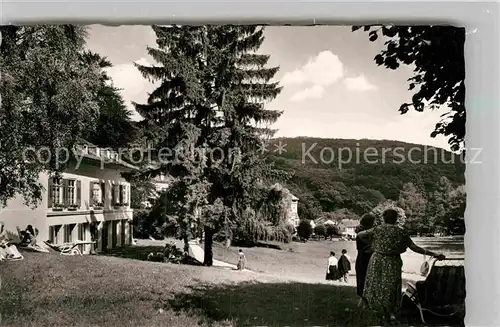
(350, 223)
(103, 155)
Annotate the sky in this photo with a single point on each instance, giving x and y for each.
(332, 87)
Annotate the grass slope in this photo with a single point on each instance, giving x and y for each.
(54, 290)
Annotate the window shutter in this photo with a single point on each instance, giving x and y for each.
(91, 194)
(120, 194)
(50, 192)
(113, 195)
(128, 194)
(65, 192)
(103, 192)
(78, 193)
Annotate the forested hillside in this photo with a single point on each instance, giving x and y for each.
(361, 173)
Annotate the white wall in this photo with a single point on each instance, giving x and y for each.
(16, 213)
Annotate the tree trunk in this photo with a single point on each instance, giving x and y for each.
(208, 242)
(186, 246)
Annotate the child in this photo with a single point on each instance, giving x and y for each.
(241, 260)
(344, 266)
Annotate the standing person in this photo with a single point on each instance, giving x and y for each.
(363, 256)
(332, 272)
(384, 274)
(344, 266)
(241, 260)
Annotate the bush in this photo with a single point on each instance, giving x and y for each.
(173, 254)
(320, 230)
(291, 229)
(331, 230)
(147, 223)
(142, 224)
(304, 230)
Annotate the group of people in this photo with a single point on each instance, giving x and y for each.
(378, 263)
(8, 249)
(338, 269)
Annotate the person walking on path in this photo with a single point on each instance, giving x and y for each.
(344, 266)
(384, 274)
(363, 256)
(332, 272)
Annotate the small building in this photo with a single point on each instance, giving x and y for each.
(90, 194)
(313, 224)
(348, 228)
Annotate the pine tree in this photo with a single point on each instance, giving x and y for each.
(211, 77)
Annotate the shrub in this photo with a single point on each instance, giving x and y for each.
(320, 230)
(173, 254)
(142, 223)
(331, 230)
(291, 229)
(304, 230)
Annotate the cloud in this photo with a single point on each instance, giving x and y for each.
(314, 92)
(324, 69)
(133, 86)
(359, 83)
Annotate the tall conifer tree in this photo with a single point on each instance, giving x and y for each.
(213, 87)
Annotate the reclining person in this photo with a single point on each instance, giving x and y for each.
(27, 236)
(6, 251)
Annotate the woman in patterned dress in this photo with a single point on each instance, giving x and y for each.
(384, 275)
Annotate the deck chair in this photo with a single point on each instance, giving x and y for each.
(442, 293)
(68, 248)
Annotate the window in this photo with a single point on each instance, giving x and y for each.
(56, 188)
(54, 234)
(81, 232)
(64, 193)
(97, 194)
(70, 192)
(116, 195)
(68, 233)
(122, 194)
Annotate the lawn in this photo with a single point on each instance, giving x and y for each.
(53, 290)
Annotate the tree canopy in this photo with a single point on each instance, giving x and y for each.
(213, 87)
(436, 54)
(49, 100)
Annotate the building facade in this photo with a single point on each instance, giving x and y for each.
(89, 197)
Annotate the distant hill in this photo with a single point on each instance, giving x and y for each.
(361, 173)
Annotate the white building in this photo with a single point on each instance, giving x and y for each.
(292, 205)
(92, 193)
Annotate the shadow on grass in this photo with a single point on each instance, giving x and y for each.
(133, 252)
(142, 252)
(281, 304)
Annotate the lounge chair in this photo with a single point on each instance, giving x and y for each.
(442, 293)
(68, 248)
